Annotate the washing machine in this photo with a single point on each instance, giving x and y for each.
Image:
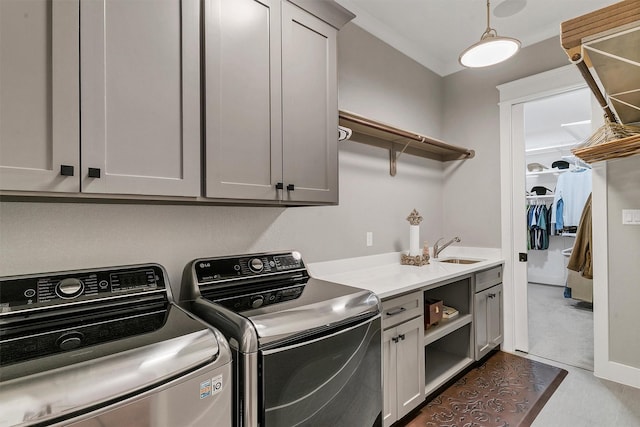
(108, 347)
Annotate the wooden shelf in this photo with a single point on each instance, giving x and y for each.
(399, 141)
(604, 43)
(446, 326)
(604, 46)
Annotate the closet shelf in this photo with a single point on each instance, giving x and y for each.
(547, 172)
(542, 196)
(399, 141)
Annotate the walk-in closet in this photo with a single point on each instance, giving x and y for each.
(558, 185)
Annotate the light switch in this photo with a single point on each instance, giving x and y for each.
(631, 216)
(369, 238)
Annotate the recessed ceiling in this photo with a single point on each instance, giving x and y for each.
(434, 32)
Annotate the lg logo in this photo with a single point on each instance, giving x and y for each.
(205, 264)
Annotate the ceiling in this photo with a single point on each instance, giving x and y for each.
(434, 32)
(559, 121)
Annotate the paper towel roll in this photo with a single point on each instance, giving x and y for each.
(414, 240)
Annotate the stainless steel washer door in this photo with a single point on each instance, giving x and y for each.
(332, 380)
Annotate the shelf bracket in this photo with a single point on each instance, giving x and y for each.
(393, 157)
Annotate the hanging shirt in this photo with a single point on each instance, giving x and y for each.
(559, 215)
(573, 188)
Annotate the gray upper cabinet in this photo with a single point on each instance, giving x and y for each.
(39, 95)
(270, 103)
(100, 96)
(309, 107)
(242, 99)
(140, 97)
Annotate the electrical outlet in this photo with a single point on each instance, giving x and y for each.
(369, 238)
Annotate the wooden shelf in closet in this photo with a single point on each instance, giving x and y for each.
(398, 141)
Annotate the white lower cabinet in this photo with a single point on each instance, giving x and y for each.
(402, 356)
(488, 320)
(449, 343)
(488, 312)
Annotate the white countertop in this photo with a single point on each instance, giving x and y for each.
(386, 277)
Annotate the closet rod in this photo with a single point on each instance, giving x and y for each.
(586, 74)
(404, 134)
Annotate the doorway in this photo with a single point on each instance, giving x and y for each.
(560, 317)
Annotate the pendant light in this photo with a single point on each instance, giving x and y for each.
(490, 50)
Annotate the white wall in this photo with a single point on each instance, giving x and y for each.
(381, 83)
(623, 181)
(471, 119)
(40, 237)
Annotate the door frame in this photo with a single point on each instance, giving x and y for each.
(513, 95)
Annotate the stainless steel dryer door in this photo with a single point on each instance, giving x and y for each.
(332, 380)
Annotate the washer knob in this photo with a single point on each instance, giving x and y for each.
(69, 287)
(256, 265)
(257, 301)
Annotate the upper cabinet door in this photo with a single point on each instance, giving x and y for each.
(309, 107)
(140, 95)
(39, 95)
(242, 99)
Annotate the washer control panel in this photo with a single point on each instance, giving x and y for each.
(260, 299)
(27, 292)
(246, 266)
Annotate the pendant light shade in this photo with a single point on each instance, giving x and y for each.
(490, 50)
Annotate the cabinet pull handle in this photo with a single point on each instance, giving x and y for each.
(492, 295)
(279, 186)
(395, 311)
(395, 339)
(94, 172)
(66, 170)
(291, 187)
(401, 337)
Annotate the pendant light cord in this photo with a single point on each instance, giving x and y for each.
(489, 32)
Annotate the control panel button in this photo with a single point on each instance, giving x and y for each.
(103, 284)
(30, 293)
(257, 301)
(69, 287)
(69, 341)
(256, 265)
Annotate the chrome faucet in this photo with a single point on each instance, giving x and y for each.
(437, 249)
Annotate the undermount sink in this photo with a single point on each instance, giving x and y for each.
(459, 260)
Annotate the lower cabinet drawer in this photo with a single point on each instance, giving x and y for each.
(401, 309)
(488, 278)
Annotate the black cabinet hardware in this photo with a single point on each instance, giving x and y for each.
(66, 170)
(94, 172)
(290, 187)
(395, 311)
(279, 186)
